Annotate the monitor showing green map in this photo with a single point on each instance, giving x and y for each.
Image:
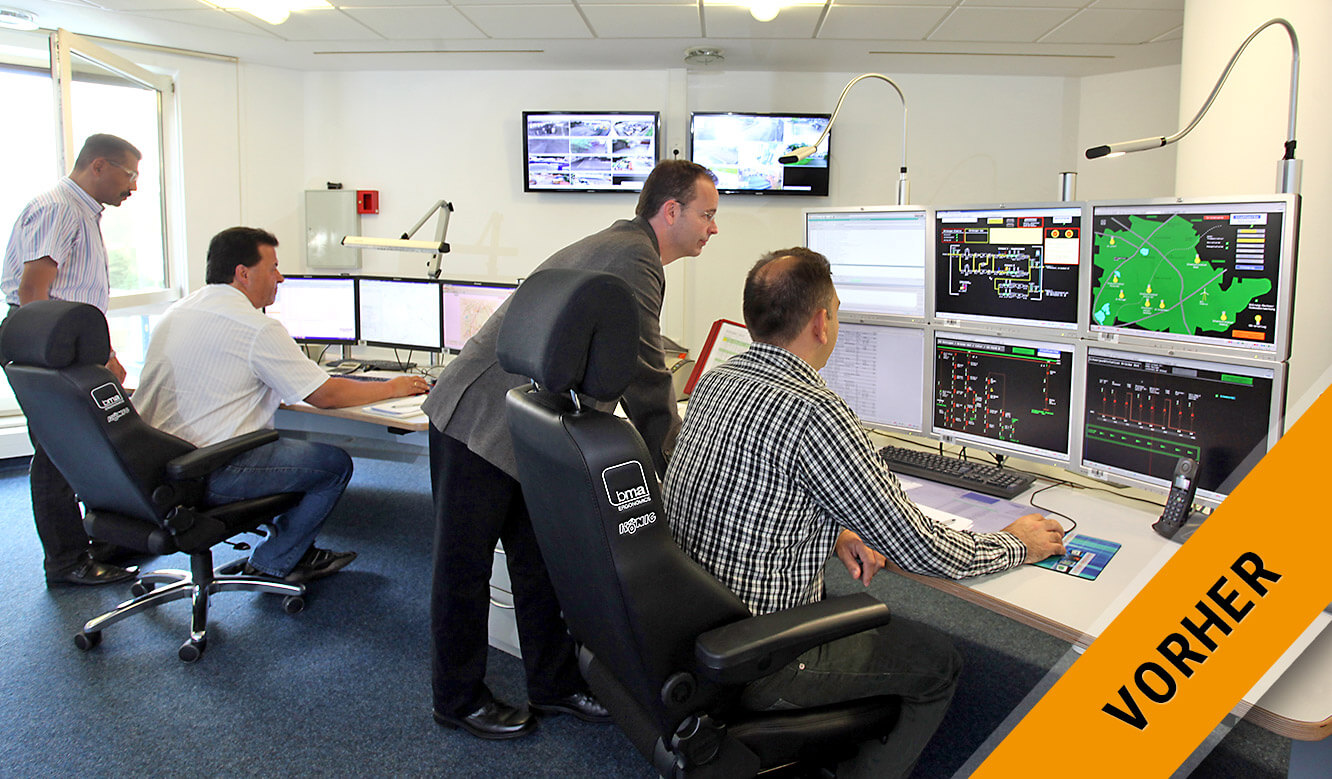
(1198, 272)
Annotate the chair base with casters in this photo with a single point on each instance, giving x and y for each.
(197, 584)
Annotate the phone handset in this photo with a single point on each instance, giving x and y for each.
(1179, 503)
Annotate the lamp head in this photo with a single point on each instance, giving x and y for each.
(797, 155)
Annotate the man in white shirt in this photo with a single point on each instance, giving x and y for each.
(56, 251)
(217, 367)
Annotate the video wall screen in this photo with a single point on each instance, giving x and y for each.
(589, 151)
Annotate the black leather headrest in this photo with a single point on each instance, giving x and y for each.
(56, 334)
(572, 329)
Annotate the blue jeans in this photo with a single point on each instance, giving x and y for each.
(901, 658)
(318, 470)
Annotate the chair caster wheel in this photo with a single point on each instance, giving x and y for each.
(139, 589)
(192, 650)
(86, 641)
(293, 604)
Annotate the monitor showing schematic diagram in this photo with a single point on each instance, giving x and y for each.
(1004, 394)
(1144, 410)
(879, 370)
(1009, 264)
(467, 306)
(1199, 273)
(317, 309)
(878, 256)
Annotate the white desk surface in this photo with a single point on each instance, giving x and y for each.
(1293, 700)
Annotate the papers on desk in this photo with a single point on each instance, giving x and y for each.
(952, 521)
(400, 408)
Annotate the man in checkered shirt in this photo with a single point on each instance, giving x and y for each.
(772, 474)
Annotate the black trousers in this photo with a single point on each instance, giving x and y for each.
(56, 513)
(477, 504)
(55, 510)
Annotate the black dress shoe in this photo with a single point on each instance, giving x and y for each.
(580, 704)
(495, 720)
(316, 563)
(90, 572)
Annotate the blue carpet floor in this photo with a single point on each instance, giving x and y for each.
(343, 688)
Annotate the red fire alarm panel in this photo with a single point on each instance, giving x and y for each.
(367, 201)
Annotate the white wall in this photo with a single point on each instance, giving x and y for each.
(420, 136)
(1235, 148)
(1121, 107)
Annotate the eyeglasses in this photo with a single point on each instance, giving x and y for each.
(708, 216)
(133, 174)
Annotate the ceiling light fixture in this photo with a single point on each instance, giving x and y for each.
(271, 11)
(703, 56)
(17, 19)
(764, 10)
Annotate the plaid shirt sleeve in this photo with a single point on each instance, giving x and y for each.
(848, 479)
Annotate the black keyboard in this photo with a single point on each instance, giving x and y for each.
(978, 477)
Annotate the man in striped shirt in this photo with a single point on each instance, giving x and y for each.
(56, 252)
(772, 474)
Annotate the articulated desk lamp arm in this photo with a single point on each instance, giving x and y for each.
(1288, 169)
(903, 186)
(437, 248)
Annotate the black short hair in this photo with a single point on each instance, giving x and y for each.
(107, 147)
(779, 301)
(235, 246)
(670, 180)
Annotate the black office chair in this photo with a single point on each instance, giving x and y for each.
(664, 645)
(141, 488)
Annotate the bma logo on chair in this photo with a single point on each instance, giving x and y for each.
(626, 486)
(107, 396)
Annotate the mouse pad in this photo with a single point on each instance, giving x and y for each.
(1084, 557)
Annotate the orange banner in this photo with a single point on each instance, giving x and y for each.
(1203, 630)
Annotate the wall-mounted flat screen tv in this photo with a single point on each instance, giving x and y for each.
(589, 151)
(742, 149)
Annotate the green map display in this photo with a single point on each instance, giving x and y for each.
(1191, 274)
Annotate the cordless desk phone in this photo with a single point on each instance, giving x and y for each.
(1179, 503)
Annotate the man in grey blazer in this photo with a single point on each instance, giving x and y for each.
(474, 478)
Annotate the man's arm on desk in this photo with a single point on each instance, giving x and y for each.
(1042, 537)
(340, 393)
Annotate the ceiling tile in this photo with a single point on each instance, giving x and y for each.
(316, 24)
(734, 21)
(1010, 25)
(689, 3)
(864, 22)
(1072, 4)
(644, 21)
(1116, 26)
(1142, 5)
(435, 22)
(154, 5)
(527, 21)
(213, 19)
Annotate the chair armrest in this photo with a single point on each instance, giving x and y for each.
(753, 648)
(206, 459)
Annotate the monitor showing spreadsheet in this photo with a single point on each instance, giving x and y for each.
(402, 313)
(317, 309)
(879, 370)
(878, 256)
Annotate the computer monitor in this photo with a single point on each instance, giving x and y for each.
(1008, 264)
(317, 309)
(402, 313)
(878, 255)
(1212, 274)
(743, 150)
(467, 306)
(1006, 394)
(879, 370)
(1145, 410)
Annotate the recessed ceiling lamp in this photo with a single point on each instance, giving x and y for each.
(703, 56)
(764, 10)
(17, 19)
(271, 11)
